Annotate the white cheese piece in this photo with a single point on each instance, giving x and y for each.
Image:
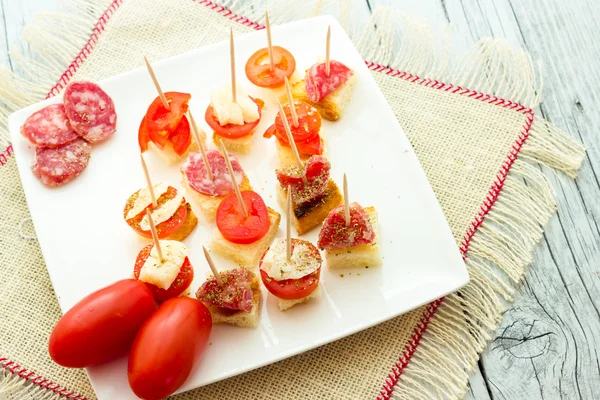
(227, 112)
(144, 199)
(277, 267)
(162, 213)
(163, 274)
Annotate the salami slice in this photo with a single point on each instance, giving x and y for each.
(197, 175)
(90, 110)
(55, 167)
(319, 85)
(49, 127)
(335, 234)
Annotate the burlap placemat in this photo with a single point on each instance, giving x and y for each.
(469, 119)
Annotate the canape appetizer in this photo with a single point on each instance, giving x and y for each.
(304, 122)
(167, 131)
(208, 192)
(232, 114)
(243, 236)
(166, 278)
(235, 300)
(349, 236)
(295, 280)
(172, 214)
(311, 200)
(269, 66)
(327, 86)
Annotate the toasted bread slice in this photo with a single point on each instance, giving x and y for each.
(312, 215)
(241, 318)
(168, 155)
(285, 155)
(191, 220)
(332, 106)
(208, 204)
(247, 255)
(241, 145)
(287, 304)
(363, 255)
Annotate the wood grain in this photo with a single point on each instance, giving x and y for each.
(548, 342)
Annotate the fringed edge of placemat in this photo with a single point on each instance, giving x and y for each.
(500, 242)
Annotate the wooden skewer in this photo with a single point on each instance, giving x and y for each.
(346, 202)
(288, 225)
(269, 43)
(327, 57)
(158, 89)
(291, 141)
(148, 182)
(195, 131)
(211, 264)
(155, 236)
(232, 64)
(236, 188)
(288, 88)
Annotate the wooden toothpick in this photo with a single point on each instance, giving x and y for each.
(195, 131)
(158, 89)
(211, 264)
(232, 64)
(346, 202)
(288, 225)
(288, 88)
(148, 182)
(236, 188)
(269, 43)
(327, 56)
(286, 126)
(154, 235)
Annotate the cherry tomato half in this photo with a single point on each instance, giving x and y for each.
(182, 281)
(101, 326)
(239, 229)
(167, 347)
(309, 122)
(258, 67)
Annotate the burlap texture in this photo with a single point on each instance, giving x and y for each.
(462, 142)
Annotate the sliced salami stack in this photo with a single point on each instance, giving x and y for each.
(63, 133)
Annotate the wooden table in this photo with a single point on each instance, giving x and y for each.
(548, 342)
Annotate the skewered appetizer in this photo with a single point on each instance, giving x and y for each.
(328, 93)
(242, 235)
(269, 66)
(167, 131)
(166, 278)
(173, 215)
(292, 281)
(235, 301)
(311, 200)
(305, 127)
(353, 244)
(233, 121)
(206, 192)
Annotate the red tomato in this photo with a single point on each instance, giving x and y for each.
(143, 137)
(182, 281)
(161, 121)
(293, 289)
(165, 228)
(181, 137)
(258, 67)
(232, 131)
(239, 229)
(309, 123)
(167, 347)
(101, 326)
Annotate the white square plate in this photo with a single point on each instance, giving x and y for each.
(87, 245)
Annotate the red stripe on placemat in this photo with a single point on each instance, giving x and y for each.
(432, 307)
(8, 151)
